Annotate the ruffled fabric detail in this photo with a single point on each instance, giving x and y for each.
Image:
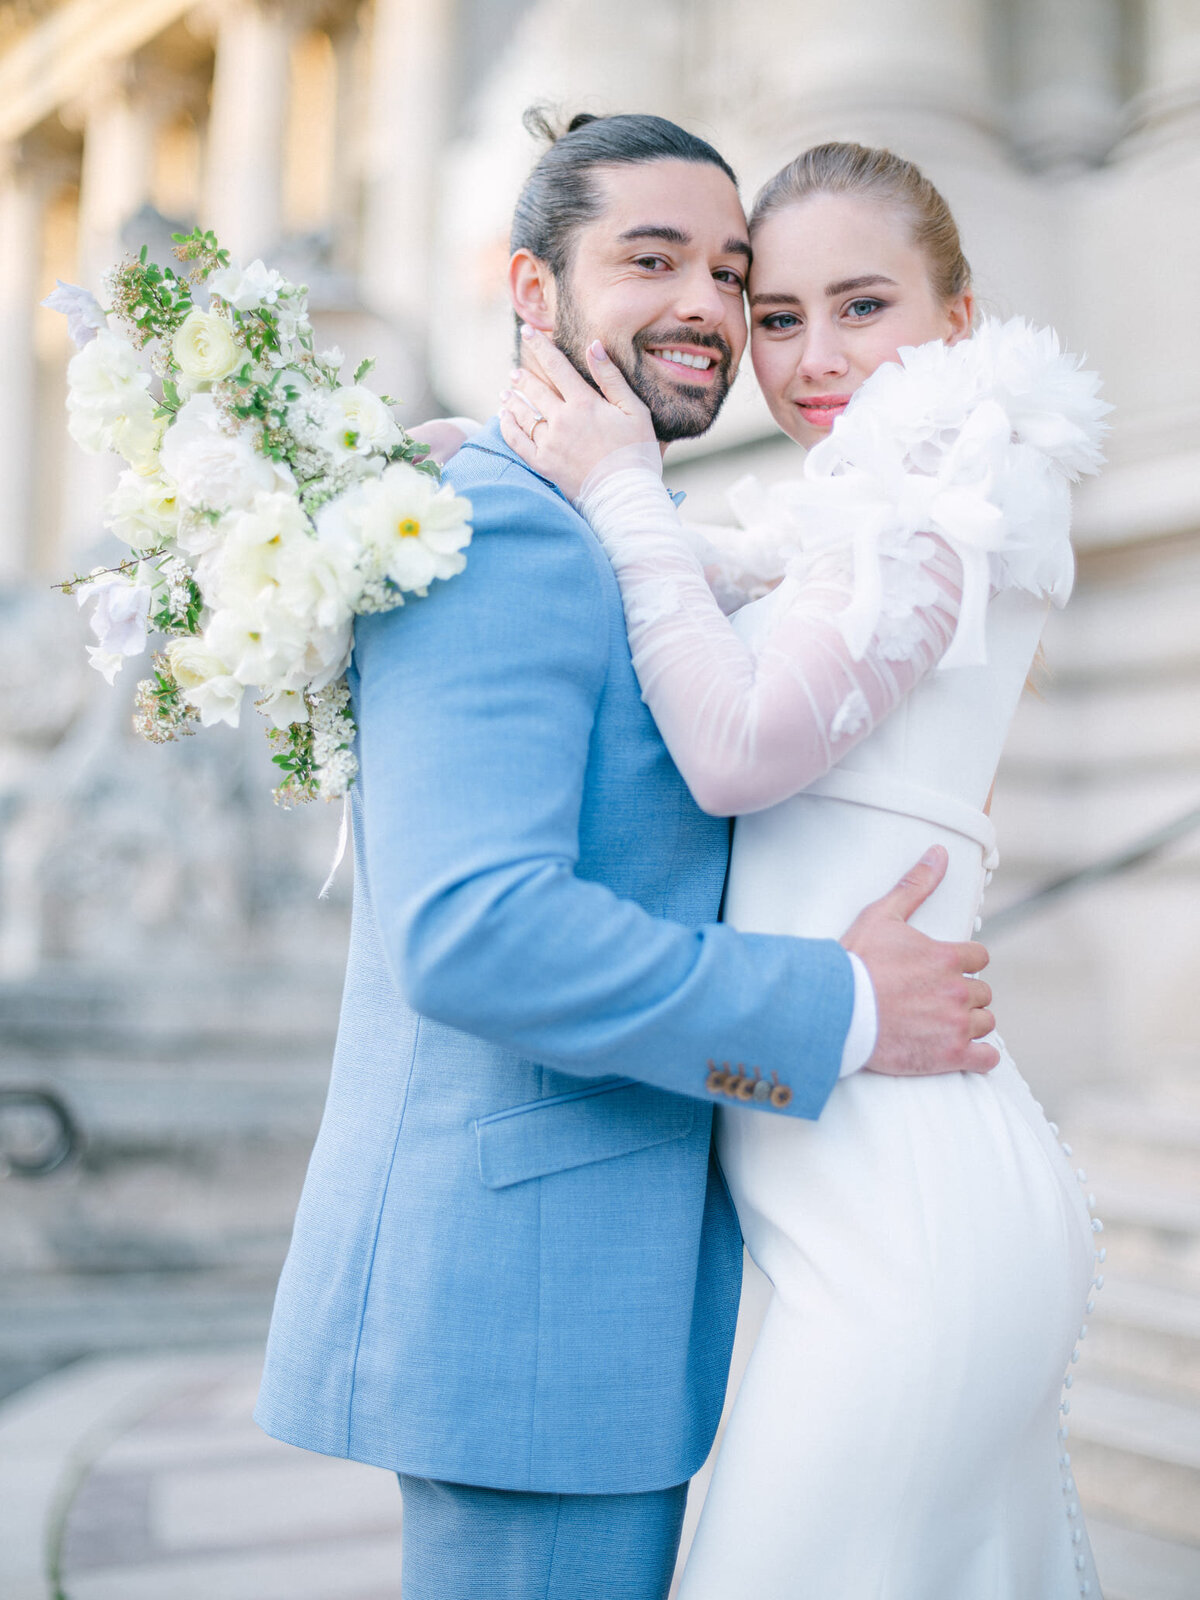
(976, 443)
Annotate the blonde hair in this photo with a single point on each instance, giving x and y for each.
(878, 175)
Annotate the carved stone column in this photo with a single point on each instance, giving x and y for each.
(408, 94)
(20, 240)
(118, 127)
(1065, 59)
(244, 156)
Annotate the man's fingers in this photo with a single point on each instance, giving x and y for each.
(917, 884)
(971, 956)
(981, 1058)
(611, 381)
(982, 1023)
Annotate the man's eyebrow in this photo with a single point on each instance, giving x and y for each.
(847, 285)
(671, 235)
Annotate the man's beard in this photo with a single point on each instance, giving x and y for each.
(682, 411)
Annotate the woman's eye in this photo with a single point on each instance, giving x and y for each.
(863, 308)
(780, 321)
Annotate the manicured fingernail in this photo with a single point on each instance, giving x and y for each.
(515, 374)
(932, 856)
(526, 331)
(597, 349)
(506, 394)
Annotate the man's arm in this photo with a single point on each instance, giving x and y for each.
(475, 711)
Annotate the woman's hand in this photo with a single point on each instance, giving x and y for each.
(445, 436)
(561, 427)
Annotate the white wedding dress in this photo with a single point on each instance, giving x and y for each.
(900, 1431)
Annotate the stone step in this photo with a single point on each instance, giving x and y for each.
(1140, 1566)
(1147, 1333)
(1136, 1457)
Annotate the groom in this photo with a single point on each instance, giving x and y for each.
(515, 1271)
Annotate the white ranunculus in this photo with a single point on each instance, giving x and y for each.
(205, 681)
(410, 529)
(84, 313)
(120, 618)
(205, 348)
(355, 422)
(143, 509)
(212, 467)
(247, 288)
(108, 402)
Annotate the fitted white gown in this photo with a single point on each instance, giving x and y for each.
(900, 1431)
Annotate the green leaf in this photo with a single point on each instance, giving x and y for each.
(363, 368)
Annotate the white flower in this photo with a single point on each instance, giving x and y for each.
(285, 600)
(84, 313)
(284, 707)
(205, 681)
(108, 403)
(143, 509)
(247, 288)
(205, 348)
(120, 619)
(355, 422)
(215, 468)
(409, 529)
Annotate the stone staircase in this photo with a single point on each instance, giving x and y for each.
(1134, 1425)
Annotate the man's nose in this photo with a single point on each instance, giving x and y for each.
(700, 300)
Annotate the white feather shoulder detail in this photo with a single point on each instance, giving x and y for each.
(976, 442)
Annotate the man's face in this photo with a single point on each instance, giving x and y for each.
(658, 278)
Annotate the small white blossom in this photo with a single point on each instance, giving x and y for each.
(247, 288)
(355, 422)
(143, 509)
(205, 681)
(409, 529)
(120, 619)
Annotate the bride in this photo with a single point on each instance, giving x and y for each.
(899, 1434)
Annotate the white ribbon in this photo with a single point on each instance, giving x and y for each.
(340, 851)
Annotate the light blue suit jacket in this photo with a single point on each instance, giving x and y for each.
(515, 1263)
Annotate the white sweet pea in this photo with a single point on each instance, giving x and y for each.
(247, 288)
(355, 422)
(205, 348)
(410, 529)
(84, 313)
(143, 509)
(213, 467)
(283, 708)
(205, 681)
(120, 619)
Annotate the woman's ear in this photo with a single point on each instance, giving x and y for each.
(532, 290)
(960, 313)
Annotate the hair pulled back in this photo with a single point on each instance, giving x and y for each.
(560, 195)
(879, 175)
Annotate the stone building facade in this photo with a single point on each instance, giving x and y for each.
(373, 147)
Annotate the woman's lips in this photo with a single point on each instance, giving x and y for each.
(823, 410)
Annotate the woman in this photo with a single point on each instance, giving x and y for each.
(899, 1433)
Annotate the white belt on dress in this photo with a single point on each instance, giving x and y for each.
(911, 800)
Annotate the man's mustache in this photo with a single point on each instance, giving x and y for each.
(686, 336)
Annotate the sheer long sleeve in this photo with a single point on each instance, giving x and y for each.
(754, 715)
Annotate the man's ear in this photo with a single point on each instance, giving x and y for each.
(532, 290)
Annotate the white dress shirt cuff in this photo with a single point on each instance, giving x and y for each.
(864, 1022)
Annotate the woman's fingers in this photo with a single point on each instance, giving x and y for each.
(515, 437)
(554, 364)
(611, 381)
(539, 397)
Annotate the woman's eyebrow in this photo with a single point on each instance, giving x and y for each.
(774, 300)
(847, 285)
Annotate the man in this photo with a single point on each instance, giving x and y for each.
(515, 1272)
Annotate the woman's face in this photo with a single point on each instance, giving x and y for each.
(837, 287)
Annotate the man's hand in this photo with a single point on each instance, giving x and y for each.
(931, 1013)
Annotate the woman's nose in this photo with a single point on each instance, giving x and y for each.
(823, 356)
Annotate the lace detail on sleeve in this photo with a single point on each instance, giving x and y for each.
(750, 723)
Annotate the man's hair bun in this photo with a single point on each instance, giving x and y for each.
(548, 124)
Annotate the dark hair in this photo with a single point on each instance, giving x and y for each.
(559, 195)
(879, 175)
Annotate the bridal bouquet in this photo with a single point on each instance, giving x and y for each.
(266, 504)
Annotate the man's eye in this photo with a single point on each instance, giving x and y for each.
(863, 308)
(728, 275)
(650, 263)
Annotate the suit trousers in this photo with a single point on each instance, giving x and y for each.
(464, 1543)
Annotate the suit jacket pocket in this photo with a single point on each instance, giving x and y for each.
(571, 1130)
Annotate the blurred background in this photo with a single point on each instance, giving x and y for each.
(168, 979)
